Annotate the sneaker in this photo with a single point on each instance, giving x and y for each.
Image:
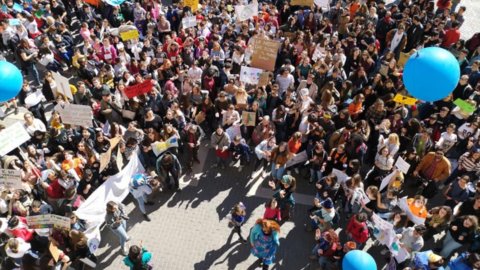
(240, 168)
(124, 251)
(128, 239)
(146, 217)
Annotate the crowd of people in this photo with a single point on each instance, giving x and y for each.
(330, 97)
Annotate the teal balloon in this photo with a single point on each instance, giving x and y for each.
(115, 2)
(358, 260)
(431, 74)
(11, 81)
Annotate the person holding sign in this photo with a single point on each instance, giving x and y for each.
(116, 220)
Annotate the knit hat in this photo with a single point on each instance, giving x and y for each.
(328, 203)
(287, 179)
(433, 258)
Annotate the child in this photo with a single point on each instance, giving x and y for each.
(240, 151)
(272, 211)
(237, 219)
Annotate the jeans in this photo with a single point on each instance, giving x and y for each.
(141, 203)
(121, 232)
(315, 175)
(449, 245)
(277, 173)
(32, 70)
(324, 262)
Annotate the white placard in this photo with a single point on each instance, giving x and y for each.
(63, 86)
(11, 179)
(73, 114)
(233, 131)
(402, 203)
(188, 22)
(383, 230)
(341, 176)
(12, 137)
(387, 180)
(402, 165)
(34, 98)
(324, 4)
(245, 12)
(298, 158)
(250, 75)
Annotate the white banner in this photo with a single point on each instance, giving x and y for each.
(298, 158)
(115, 188)
(12, 137)
(63, 86)
(245, 12)
(188, 22)
(73, 114)
(11, 179)
(250, 75)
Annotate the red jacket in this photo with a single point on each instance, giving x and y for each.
(451, 37)
(359, 231)
(22, 230)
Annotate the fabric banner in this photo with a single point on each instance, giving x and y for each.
(160, 147)
(11, 179)
(128, 35)
(250, 75)
(265, 54)
(298, 158)
(73, 114)
(115, 188)
(245, 12)
(139, 89)
(402, 203)
(12, 137)
(188, 22)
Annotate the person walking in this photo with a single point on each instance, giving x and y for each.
(237, 219)
(264, 241)
(116, 220)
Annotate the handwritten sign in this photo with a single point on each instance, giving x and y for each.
(128, 35)
(11, 179)
(303, 3)
(80, 115)
(193, 4)
(383, 230)
(402, 203)
(248, 118)
(12, 137)
(264, 78)
(189, 22)
(265, 54)
(324, 4)
(245, 12)
(160, 147)
(39, 222)
(464, 106)
(402, 165)
(60, 222)
(63, 86)
(386, 181)
(250, 75)
(404, 100)
(139, 89)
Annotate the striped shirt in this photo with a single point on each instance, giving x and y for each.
(468, 164)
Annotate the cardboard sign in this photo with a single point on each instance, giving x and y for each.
(464, 106)
(324, 4)
(404, 99)
(245, 12)
(303, 3)
(128, 35)
(139, 89)
(193, 4)
(250, 75)
(402, 59)
(105, 157)
(298, 158)
(402, 165)
(12, 137)
(265, 54)
(189, 22)
(54, 251)
(160, 147)
(79, 115)
(264, 78)
(63, 86)
(11, 179)
(248, 118)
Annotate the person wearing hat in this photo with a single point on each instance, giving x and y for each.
(323, 218)
(140, 189)
(427, 260)
(284, 195)
(327, 248)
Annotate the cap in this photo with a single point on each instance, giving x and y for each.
(328, 203)
(106, 92)
(287, 179)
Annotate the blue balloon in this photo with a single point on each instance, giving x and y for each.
(358, 260)
(11, 81)
(431, 74)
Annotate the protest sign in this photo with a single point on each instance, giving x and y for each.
(138, 89)
(12, 137)
(63, 86)
(54, 251)
(245, 12)
(387, 180)
(60, 222)
(39, 221)
(160, 147)
(105, 157)
(190, 21)
(250, 75)
(11, 179)
(128, 35)
(248, 118)
(264, 78)
(193, 4)
(464, 106)
(305, 3)
(383, 230)
(14, 22)
(265, 54)
(298, 158)
(341, 176)
(17, 7)
(402, 203)
(324, 4)
(92, 2)
(73, 114)
(233, 131)
(34, 98)
(404, 100)
(402, 59)
(115, 2)
(402, 165)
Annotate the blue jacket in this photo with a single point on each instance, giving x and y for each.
(241, 149)
(460, 263)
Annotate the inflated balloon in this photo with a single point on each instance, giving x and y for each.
(431, 74)
(115, 2)
(358, 260)
(11, 81)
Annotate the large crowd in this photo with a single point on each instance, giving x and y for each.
(330, 98)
